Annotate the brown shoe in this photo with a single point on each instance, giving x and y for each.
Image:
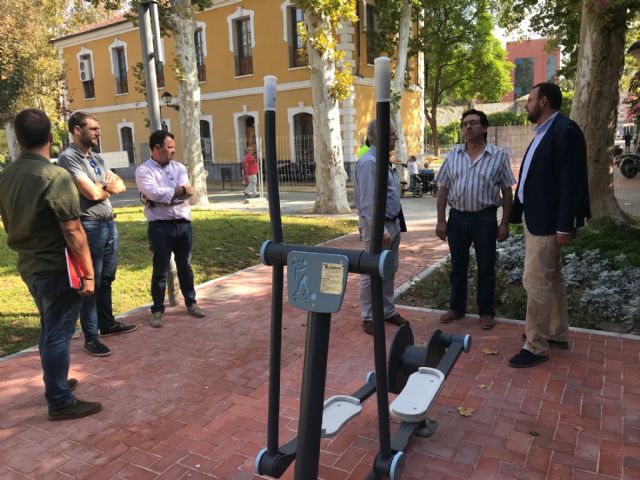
(367, 326)
(487, 322)
(450, 316)
(397, 319)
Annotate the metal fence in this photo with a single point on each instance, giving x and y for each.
(296, 163)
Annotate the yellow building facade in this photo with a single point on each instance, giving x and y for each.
(238, 42)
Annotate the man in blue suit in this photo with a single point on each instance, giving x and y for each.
(552, 200)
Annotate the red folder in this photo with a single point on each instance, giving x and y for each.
(74, 269)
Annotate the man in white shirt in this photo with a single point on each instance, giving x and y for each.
(475, 179)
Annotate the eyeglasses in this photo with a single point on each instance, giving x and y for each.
(95, 166)
(471, 123)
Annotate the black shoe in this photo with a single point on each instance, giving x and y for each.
(526, 359)
(72, 382)
(367, 326)
(97, 349)
(552, 343)
(397, 319)
(117, 329)
(77, 409)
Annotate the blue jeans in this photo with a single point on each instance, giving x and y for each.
(97, 310)
(481, 230)
(58, 306)
(165, 238)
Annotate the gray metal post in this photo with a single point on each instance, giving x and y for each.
(153, 104)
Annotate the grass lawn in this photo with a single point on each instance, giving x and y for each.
(511, 300)
(223, 243)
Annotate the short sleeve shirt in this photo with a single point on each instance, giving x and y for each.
(475, 186)
(35, 196)
(91, 166)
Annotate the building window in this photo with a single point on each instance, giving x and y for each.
(298, 56)
(126, 138)
(244, 60)
(205, 141)
(551, 68)
(160, 74)
(199, 40)
(86, 75)
(120, 69)
(370, 13)
(523, 76)
(303, 138)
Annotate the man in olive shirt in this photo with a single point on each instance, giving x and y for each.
(96, 183)
(40, 212)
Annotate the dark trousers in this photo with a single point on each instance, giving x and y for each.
(97, 310)
(164, 239)
(479, 229)
(58, 306)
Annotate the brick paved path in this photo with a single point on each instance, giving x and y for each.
(188, 401)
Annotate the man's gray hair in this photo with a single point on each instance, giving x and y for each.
(372, 131)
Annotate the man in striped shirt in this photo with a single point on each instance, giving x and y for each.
(475, 179)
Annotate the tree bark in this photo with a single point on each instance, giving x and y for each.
(595, 102)
(12, 140)
(184, 25)
(331, 178)
(399, 76)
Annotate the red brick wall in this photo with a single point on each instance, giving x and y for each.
(530, 49)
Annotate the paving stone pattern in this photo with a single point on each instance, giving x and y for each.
(189, 400)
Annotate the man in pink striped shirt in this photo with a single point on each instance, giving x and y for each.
(165, 190)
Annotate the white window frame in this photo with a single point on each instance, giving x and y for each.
(209, 118)
(203, 26)
(82, 53)
(117, 43)
(131, 125)
(256, 124)
(238, 14)
(292, 112)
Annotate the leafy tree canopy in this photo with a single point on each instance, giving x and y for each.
(559, 20)
(463, 59)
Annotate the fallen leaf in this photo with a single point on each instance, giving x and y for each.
(217, 248)
(579, 428)
(488, 351)
(465, 411)
(15, 338)
(483, 387)
(533, 433)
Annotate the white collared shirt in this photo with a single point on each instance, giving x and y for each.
(540, 130)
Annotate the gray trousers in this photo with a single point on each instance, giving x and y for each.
(388, 284)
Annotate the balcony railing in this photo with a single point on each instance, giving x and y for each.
(298, 57)
(244, 65)
(121, 84)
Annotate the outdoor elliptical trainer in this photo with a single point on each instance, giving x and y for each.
(316, 280)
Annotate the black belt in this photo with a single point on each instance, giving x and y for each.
(479, 212)
(177, 220)
(390, 219)
(107, 218)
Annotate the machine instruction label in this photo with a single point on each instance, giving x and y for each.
(331, 279)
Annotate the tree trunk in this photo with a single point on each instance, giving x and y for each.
(12, 140)
(331, 178)
(183, 18)
(595, 102)
(399, 76)
(433, 124)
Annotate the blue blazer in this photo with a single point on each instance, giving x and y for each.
(556, 193)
